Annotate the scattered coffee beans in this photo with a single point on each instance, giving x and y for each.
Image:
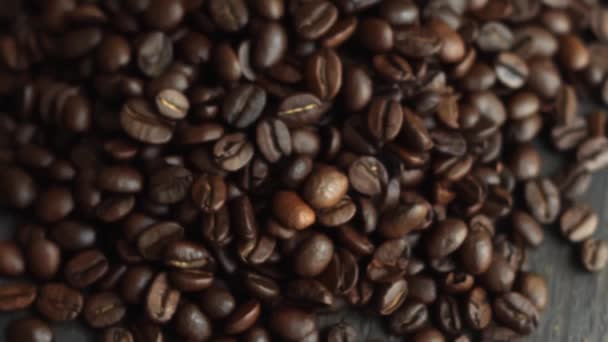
(228, 169)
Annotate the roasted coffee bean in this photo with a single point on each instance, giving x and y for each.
(12, 260)
(313, 19)
(58, 303)
(161, 300)
(184, 254)
(428, 335)
(593, 153)
(217, 302)
(19, 188)
(170, 184)
(43, 259)
(172, 104)
(357, 88)
(243, 317)
(339, 214)
(17, 296)
(116, 333)
(368, 176)
(86, 268)
(410, 317)
(568, 136)
(229, 16)
(244, 105)
(533, 287)
(313, 255)
(310, 292)
(300, 109)
(233, 151)
(542, 198)
(578, 222)
(29, 330)
(446, 238)
(396, 222)
(209, 192)
(292, 324)
(104, 309)
(273, 139)
(323, 74)
(191, 280)
(594, 255)
(448, 315)
(477, 309)
(389, 297)
(139, 120)
(500, 276)
(526, 227)
(417, 42)
(155, 53)
(54, 204)
(516, 312)
(152, 241)
(191, 323)
(291, 211)
(384, 119)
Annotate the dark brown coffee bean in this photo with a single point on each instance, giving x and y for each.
(448, 315)
(384, 119)
(54, 204)
(396, 222)
(593, 153)
(29, 330)
(516, 312)
(155, 53)
(164, 14)
(170, 184)
(511, 70)
(410, 317)
(117, 334)
(270, 9)
(17, 296)
(58, 303)
(314, 18)
(191, 323)
(526, 227)
(543, 200)
(273, 139)
(534, 287)
(428, 335)
(357, 88)
(392, 67)
(243, 317)
(209, 192)
(313, 255)
(477, 309)
(368, 176)
(300, 109)
(310, 292)
(500, 276)
(161, 300)
(43, 259)
(417, 42)
(376, 35)
(191, 280)
(292, 324)
(446, 238)
(19, 189)
(141, 123)
(568, 136)
(244, 105)
(12, 259)
(324, 74)
(594, 255)
(152, 241)
(233, 151)
(573, 53)
(217, 302)
(172, 104)
(339, 214)
(86, 268)
(389, 297)
(578, 222)
(104, 309)
(229, 16)
(146, 330)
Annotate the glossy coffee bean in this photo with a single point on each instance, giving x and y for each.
(292, 324)
(527, 228)
(161, 300)
(57, 302)
(578, 222)
(19, 188)
(217, 302)
(29, 330)
(104, 309)
(516, 312)
(594, 255)
(478, 309)
(17, 296)
(243, 317)
(446, 238)
(43, 259)
(191, 323)
(12, 259)
(534, 287)
(542, 198)
(86, 268)
(313, 255)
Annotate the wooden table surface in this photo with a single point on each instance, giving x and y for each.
(578, 309)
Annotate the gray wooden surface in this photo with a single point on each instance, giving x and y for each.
(578, 310)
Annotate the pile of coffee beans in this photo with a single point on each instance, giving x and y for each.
(230, 170)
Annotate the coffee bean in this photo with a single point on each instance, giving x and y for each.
(477, 309)
(573, 54)
(244, 105)
(324, 74)
(417, 42)
(339, 214)
(114, 334)
(428, 335)
(229, 16)
(146, 330)
(448, 315)
(533, 287)
(164, 14)
(410, 317)
(384, 119)
(273, 139)
(594, 255)
(568, 136)
(543, 200)
(527, 228)
(86, 268)
(243, 317)
(54, 204)
(593, 153)
(209, 192)
(270, 46)
(104, 309)
(59, 303)
(476, 251)
(183, 254)
(376, 35)
(368, 176)
(191, 280)
(446, 238)
(578, 222)
(233, 151)
(16, 296)
(19, 188)
(313, 19)
(12, 260)
(172, 104)
(452, 45)
(152, 241)
(292, 324)
(154, 54)
(262, 287)
(161, 300)
(516, 312)
(270, 9)
(243, 217)
(29, 330)
(191, 323)
(500, 276)
(217, 302)
(389, 297)
(342, 332)
(139, 120)
(393, 67)
(170, 184)
(43, 259)
(79, 42)
(300, 109)
(310, 292)
(313, 255)
(396, 222)
(511, 70)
